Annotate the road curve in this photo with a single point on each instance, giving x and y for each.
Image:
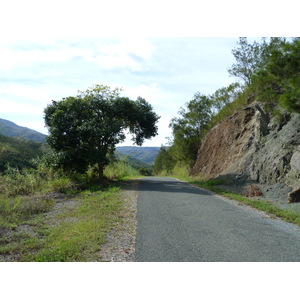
(178, 222)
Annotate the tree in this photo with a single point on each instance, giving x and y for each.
(84, 129)
(250, 58)
(247, 60)
(163, 161)
(284, 66)
(188, 129)
(223, 96)
(278, 78)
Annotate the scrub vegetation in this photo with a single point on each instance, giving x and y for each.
(46, 215)
(59, 200)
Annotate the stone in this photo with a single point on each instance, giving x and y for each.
(252, 191)
(295, 161)
(294, 196)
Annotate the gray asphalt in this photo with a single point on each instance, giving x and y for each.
(177, 222)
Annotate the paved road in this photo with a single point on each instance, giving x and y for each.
(179, 222)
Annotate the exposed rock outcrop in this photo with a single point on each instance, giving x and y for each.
(252, 146)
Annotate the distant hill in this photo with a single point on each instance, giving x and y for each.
(144, 154)
(135, 163)
(11, 129)
(18, 153)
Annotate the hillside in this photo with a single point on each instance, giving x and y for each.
(144, 154)
(18, 153)
(254, 146)
(11, 129)
(142, 167)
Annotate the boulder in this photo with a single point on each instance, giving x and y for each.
(252, 190)
(294, 196)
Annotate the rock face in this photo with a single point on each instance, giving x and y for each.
(252, 146)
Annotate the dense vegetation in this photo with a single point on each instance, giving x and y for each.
(49, 215)
(19, 153)
(84, 130)
(144, 154)
(52, 205)
(268, 72)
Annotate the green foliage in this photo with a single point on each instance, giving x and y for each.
(188, 129)
(141, 167)
(270, 71)
(120, 170)
(19, 154)
(277, 78)
(164, 161)
(80, 240)
(76, 233)
(85, 129)
(16, 182)
(253, 58)
(249, 59)
(290, 100)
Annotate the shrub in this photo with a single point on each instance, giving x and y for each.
(119, 170)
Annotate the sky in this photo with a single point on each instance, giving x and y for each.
(50, 50)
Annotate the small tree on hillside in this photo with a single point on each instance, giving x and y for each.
(189, 128)
(84, 129)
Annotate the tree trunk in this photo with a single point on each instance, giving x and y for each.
(100, 170)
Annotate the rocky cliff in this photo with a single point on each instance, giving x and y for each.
(253, 146)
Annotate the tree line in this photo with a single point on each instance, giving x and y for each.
(267, 71)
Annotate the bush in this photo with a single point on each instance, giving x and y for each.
(119, 170)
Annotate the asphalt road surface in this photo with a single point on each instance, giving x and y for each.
(177, 222)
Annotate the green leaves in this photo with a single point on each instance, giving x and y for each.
(86, 128)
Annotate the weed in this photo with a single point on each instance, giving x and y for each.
(120, 170)
(82, 229)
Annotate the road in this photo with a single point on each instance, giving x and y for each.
(177, 222)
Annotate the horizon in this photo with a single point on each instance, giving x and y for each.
(165, 63)
(166, 72)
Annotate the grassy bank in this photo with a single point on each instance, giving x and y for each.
(61, 227)
(260, 204)
(79, 230)
(47, 216)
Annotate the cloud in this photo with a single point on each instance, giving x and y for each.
(167, 72)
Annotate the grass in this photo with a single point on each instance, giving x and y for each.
(263, 205)
(75, 231)
(82, 229)
(120, 170)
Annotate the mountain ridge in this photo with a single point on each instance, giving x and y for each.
(11, 129)
(144, 154)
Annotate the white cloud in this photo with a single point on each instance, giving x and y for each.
(127, 52)
(166, 72)
(123, 53)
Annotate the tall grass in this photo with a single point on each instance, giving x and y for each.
(29, 181)
(120, 170)
(77, 232)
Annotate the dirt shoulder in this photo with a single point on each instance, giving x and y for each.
(120, 246)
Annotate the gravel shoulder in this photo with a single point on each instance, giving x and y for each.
(120, 246)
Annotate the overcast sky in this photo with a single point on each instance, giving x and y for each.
(52, 49)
